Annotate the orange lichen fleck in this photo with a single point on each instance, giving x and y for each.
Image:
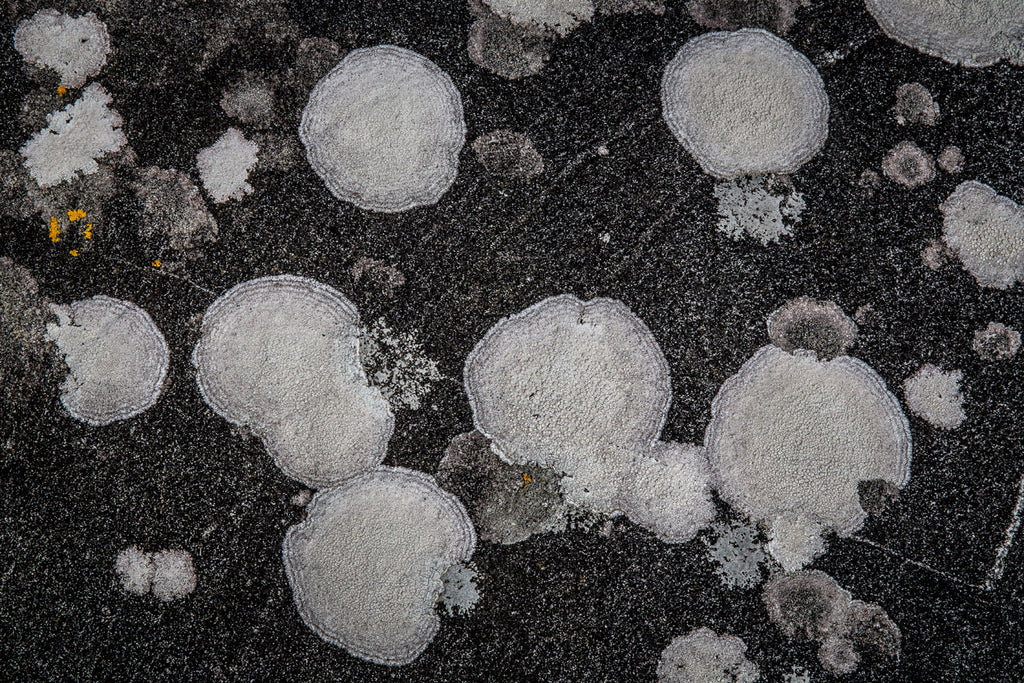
(73, 252)
(61, 90)
(156, 264)
(88, 231)
(526, 479)
(75, 214)
(54, 229)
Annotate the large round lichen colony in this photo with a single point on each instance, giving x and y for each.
(744, 103)
(366, 565)
(117, 359)
(384, 129)
(790, 438)
(280, 355)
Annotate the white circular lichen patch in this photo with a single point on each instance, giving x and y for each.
(366, 565)
(934, 395)
(281, 356)
(791, 437)
(384, 129)
(74, 47)
(986, 230)
(966, 32)
(116, 357)
(744, 103)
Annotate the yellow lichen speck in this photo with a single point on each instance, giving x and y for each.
(526, 479)
(156, 264)
(73, 252)
(88, 231)
(75, 214)
(54, 229)
(61, 90)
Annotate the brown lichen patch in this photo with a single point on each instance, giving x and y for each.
(777, 16)
(507, 154)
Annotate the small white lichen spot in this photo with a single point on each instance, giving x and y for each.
(224, 166)
(951, 160)
(397, 365)
(746, 207)
(384, 129)
(969, 33)
(580, 387)
(908, 165)
(558, 16)
(745, 103)
(934, 395)
(996, 342)
(280, 355)
(74, 138)
(460, 592)
(794, 435)
(737, 553)
(703, 656)
(808, 324)
(174, 575)
(366, 565)
(135, 569)
(986, 231)
(75, 47)
(116, 356)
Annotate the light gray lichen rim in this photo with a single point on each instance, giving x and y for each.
(875, 384)
(643, 335)
(316, 511)
(351, 189)
(799, 152)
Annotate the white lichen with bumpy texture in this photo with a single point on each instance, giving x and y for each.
(583, 388)
(173, 210)
(745, 103)
(117, 359)
(174, 575)
(134, 568)
(384, 129)
(747, 207)
(74, 138)
(224, 166)
(986, 231)
(968, 32)
(703, 656)
(168, 574)
(934, 395)
(280, 355)
(791, 437)
(75, 47)
(558, 16)
(366, 565)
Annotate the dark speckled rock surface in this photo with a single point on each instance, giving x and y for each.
(578, 606)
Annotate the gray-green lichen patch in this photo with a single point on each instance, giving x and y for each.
(703, 656)
(507, 503)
